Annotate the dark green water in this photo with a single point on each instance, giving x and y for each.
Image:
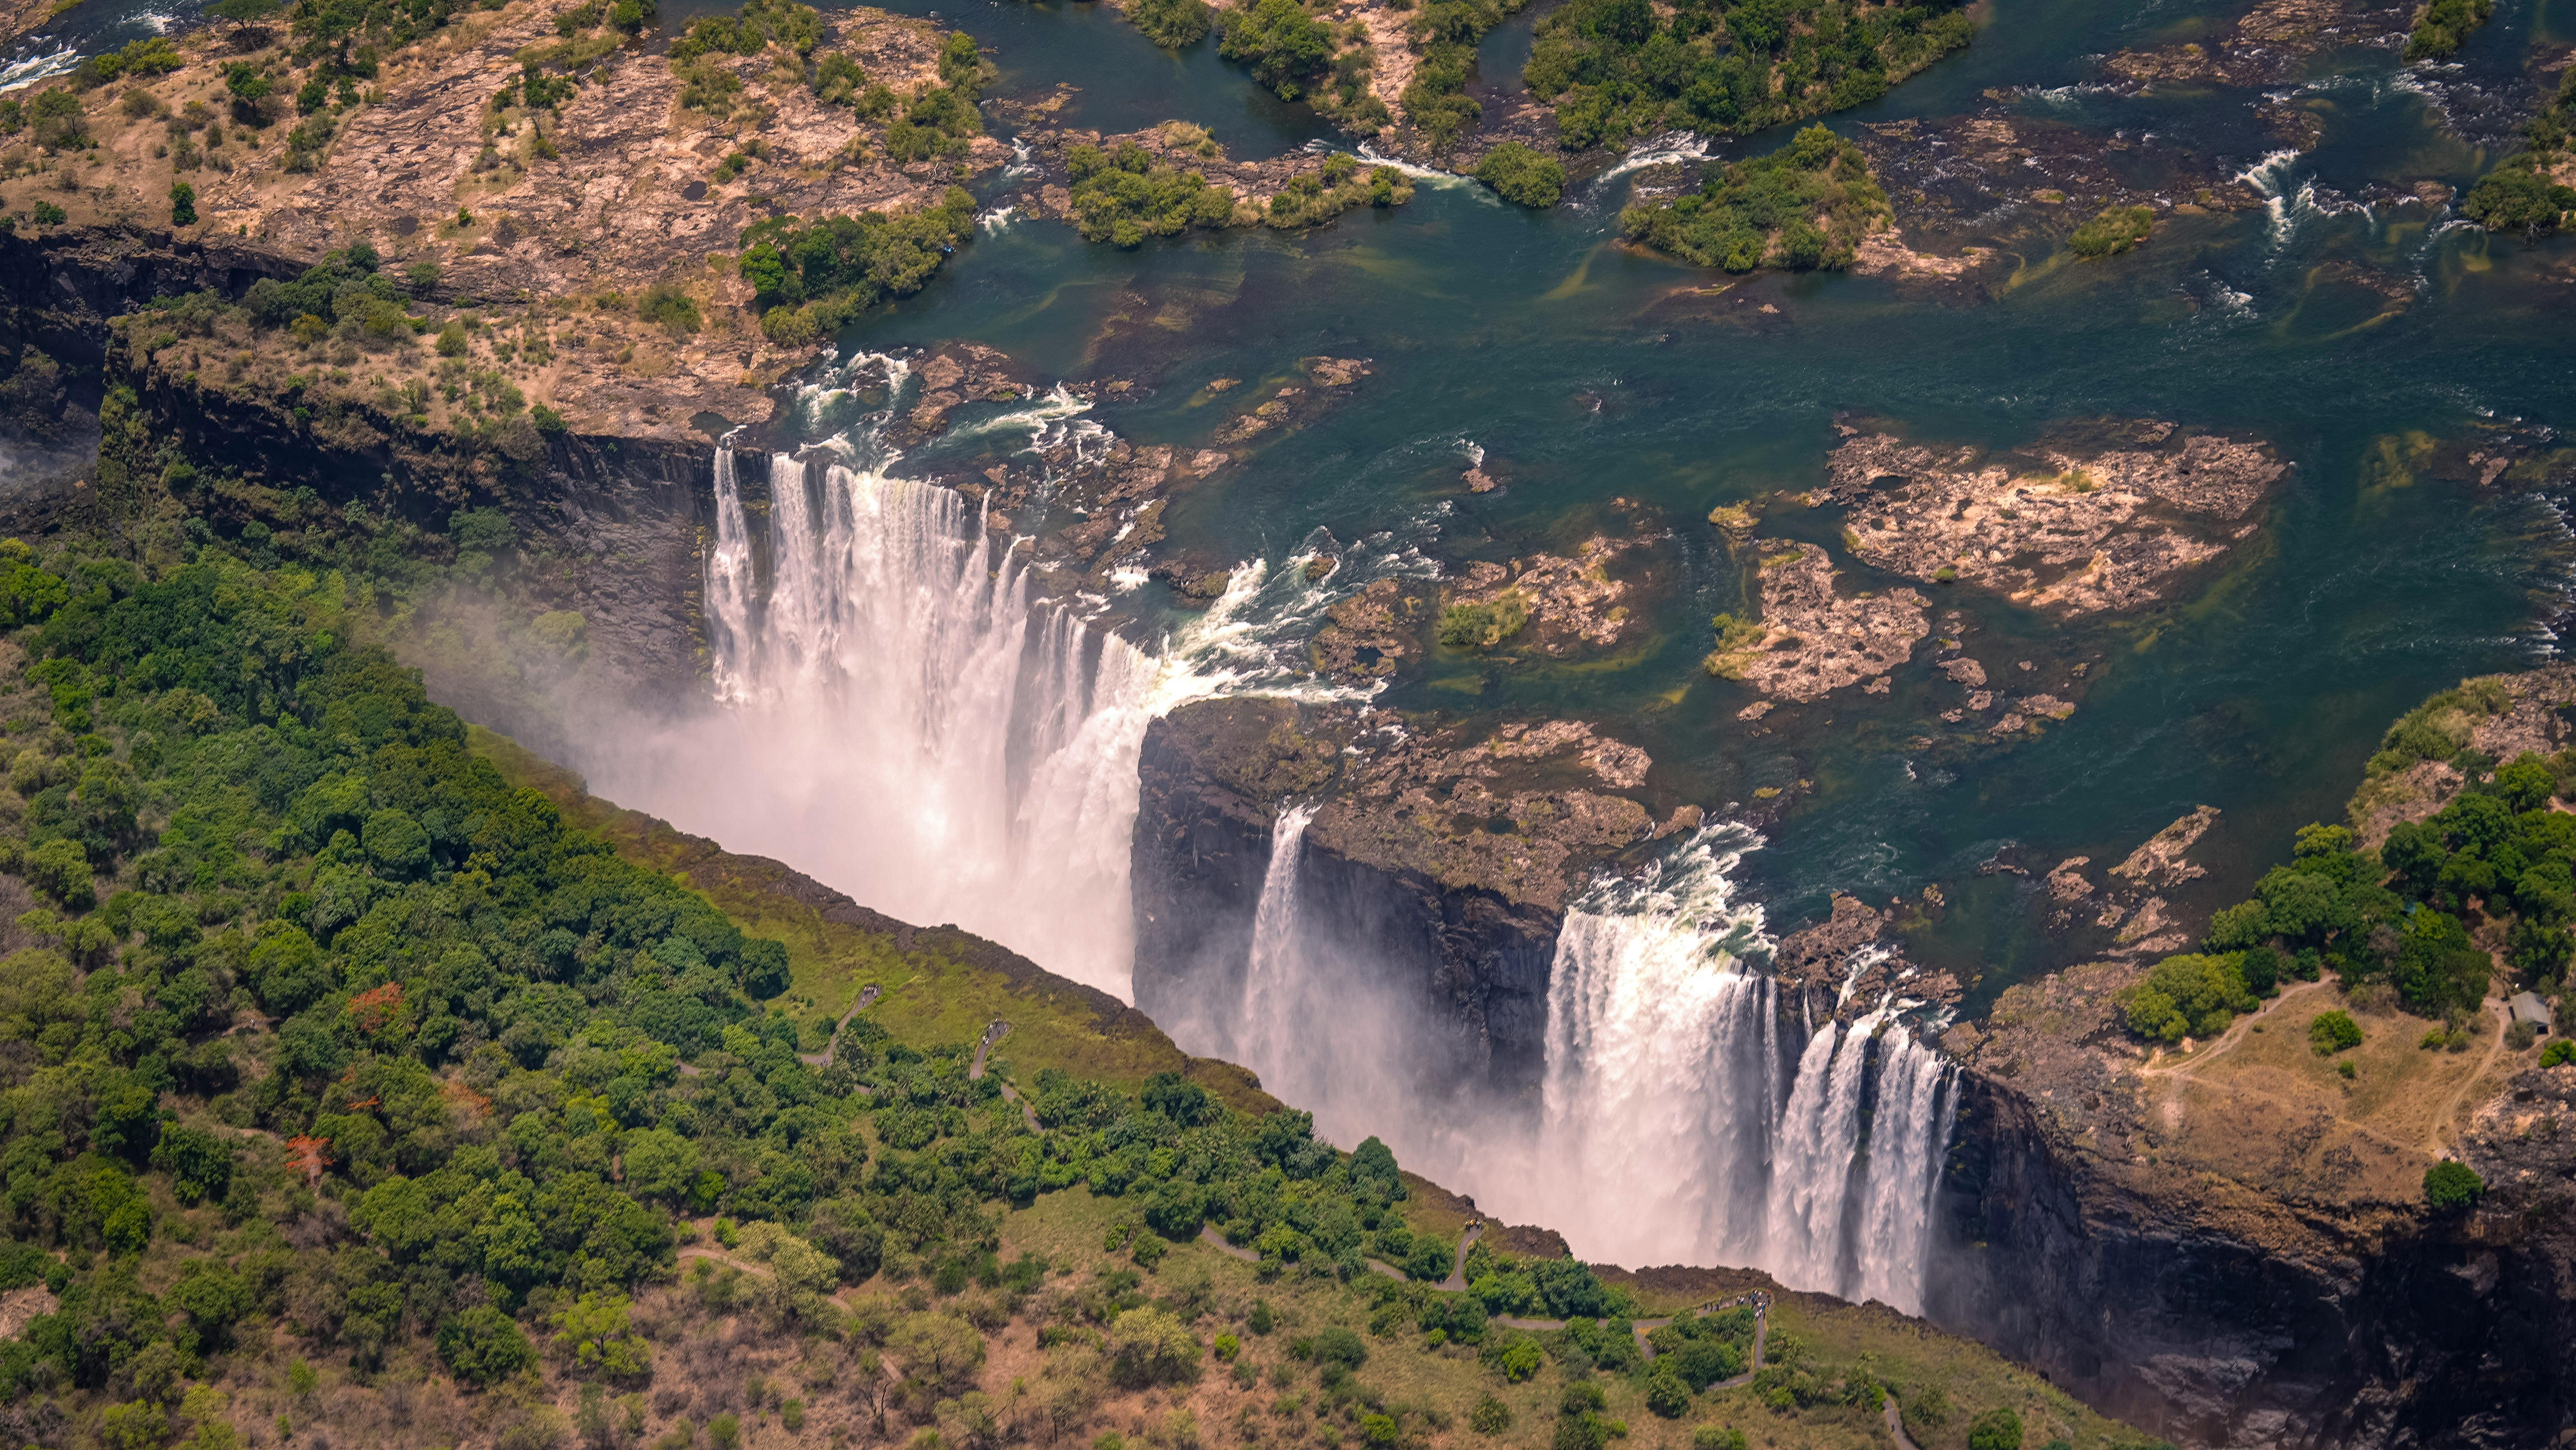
(1589, 372)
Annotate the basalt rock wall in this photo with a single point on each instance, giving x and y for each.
(612, 528)
(2214, 1319)
(1211, 779)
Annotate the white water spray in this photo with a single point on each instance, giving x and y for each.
(1662, 1135)
(905, 722)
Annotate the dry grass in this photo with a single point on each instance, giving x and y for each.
(2266, 1110)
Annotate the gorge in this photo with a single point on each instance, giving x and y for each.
(1046, 622)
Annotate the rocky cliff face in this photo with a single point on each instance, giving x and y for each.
(1211, 778)
(2212, 1315)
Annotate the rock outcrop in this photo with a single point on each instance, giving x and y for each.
(1814, 639)
(1452, 856)
(2080, 533)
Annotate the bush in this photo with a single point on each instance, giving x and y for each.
(1755, 213)
(1123, 197)
(2516, 199)
(1996, 1429)
(2444, 26)
(1714, 1437)
(2521, 1035)
(675, 310)
(2451, 1184)
(183, 204)
(482, 1347)
(1522, 176)
(1483, 626)
(1283, 46)
(1490, 1417)
(1172, 24)
(2558, 1053)
(48, 215)
(2115, 230)
(2333, 1032)
(2185, 996)
(1666, 1395)
(60, 869)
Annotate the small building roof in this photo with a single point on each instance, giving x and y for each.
(2527, 1007)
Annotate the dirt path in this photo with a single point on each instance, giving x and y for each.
(867, 998)
(975, 1069)
(1896, 1426)
(2449, 1117)
(2234, 1034)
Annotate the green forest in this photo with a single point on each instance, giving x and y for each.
(2406, 918)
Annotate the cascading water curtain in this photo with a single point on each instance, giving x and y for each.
(1668, 1131)
(905, 722)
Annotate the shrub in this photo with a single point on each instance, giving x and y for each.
(1996, 1429)
(1172, 24)
(2558, 1053)
(1483, 626)
(1713, 1437)
(2186, 995)
(48, 215)
(60, 869)
(1522, 176)
(2115, 230)
(1666, 1395)
(2443, 27)
(1336, 1345)
(1758, 211)
(183, 204)
(2333, 1032)
(665, 303)
(1123, 197)
(2515, 198)
(451, 339)
(482, 1347)
(1283, 46)
(1490, 1417)
(2451, 1184)
(2521, 1035)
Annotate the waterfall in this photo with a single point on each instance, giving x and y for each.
(1906, 1139)
(906, 722)
(1675, 1125)
(1272, 983)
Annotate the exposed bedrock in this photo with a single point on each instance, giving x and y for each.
(2214, 1316)
(1471, 954)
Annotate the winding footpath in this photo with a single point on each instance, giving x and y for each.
(975, 1070)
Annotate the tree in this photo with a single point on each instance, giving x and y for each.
(2451, 1184)
(1667, 1396)
(2186, 995)
(2333, 1032)
(183, 204)
(1522, 176)
(61, 870)
(941, 1350)
(799, 1273)
(1996, 1429)
(1149, 1346)
(596, 1334)
(242, 13)
(482, 1347)
(1282, 45)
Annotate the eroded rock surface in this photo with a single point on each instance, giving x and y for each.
(1815, 639)
(2071, 533)
(1576, 604)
